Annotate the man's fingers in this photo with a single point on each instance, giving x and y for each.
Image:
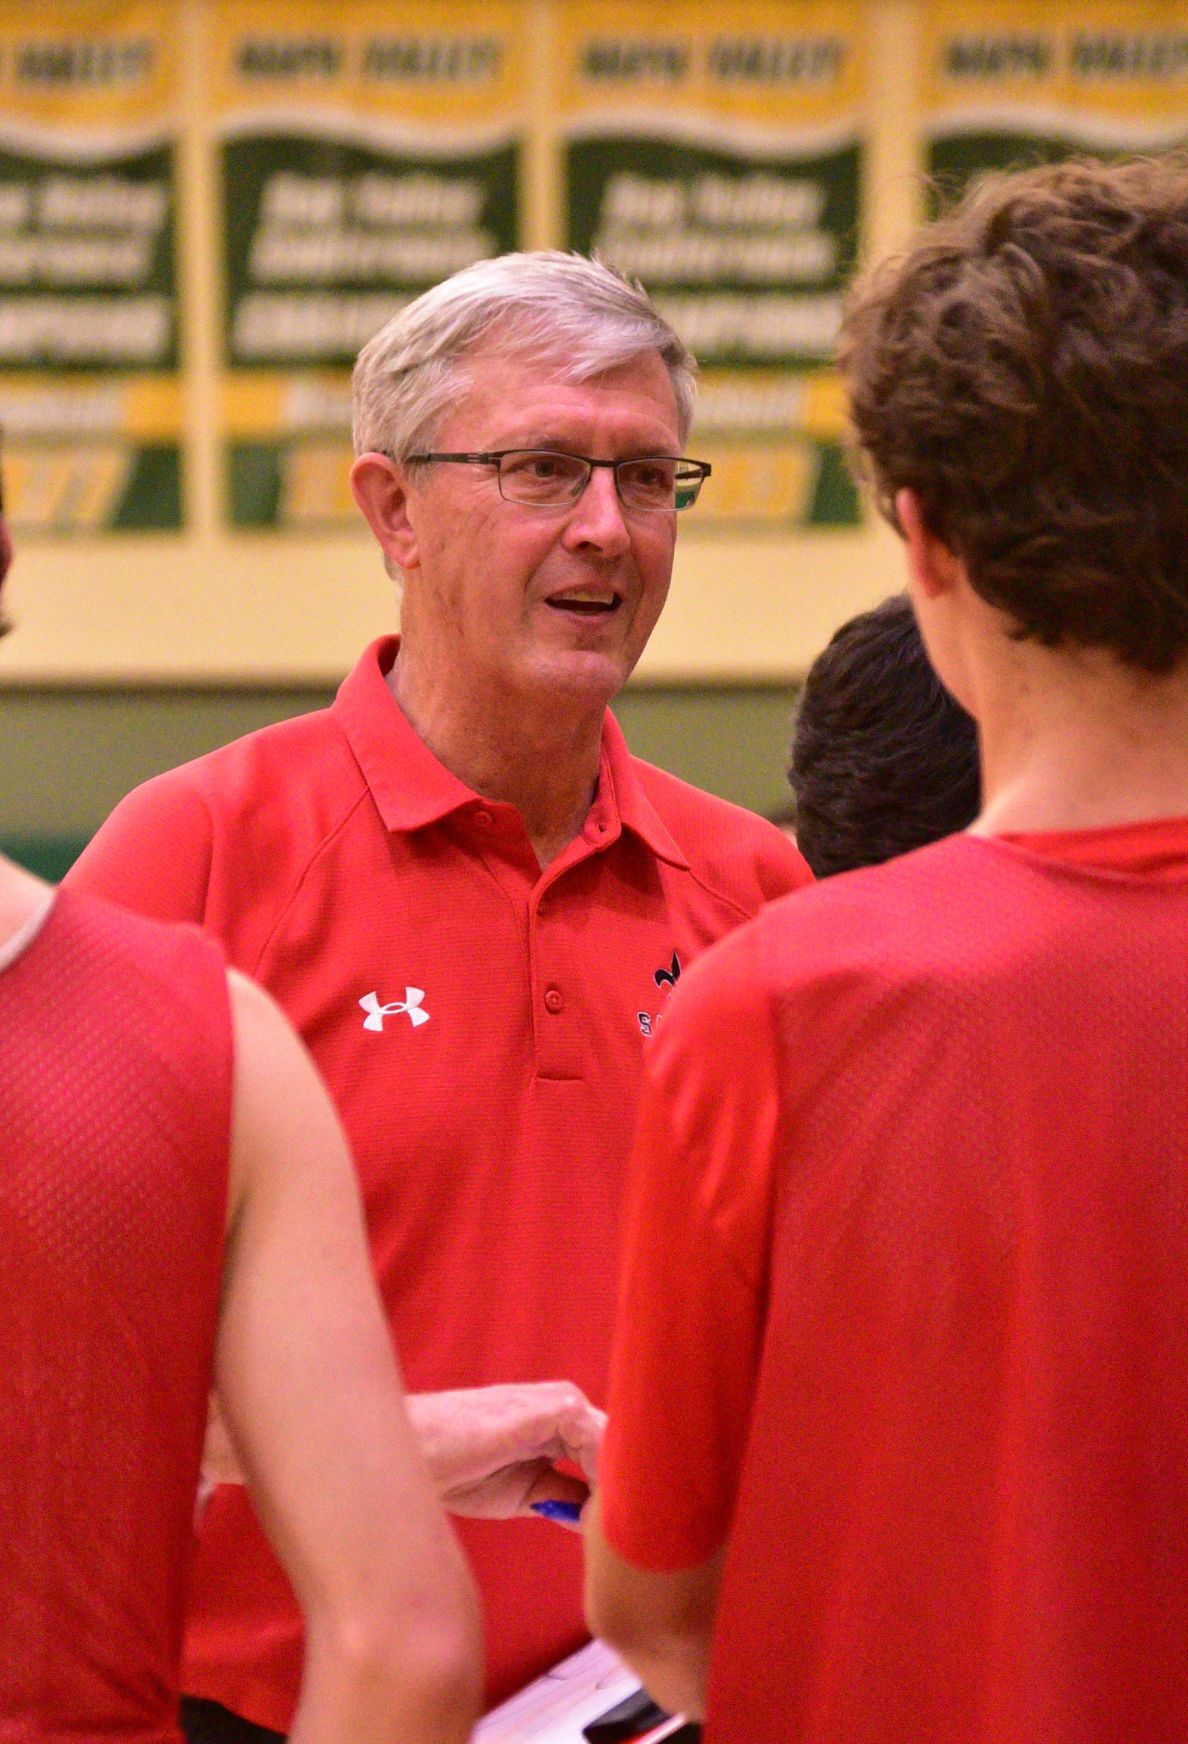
(582, 1443)
(473, 1437)
(555, 1486)
(573, 1426)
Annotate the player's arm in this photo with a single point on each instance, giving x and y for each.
(309, 1386)
(689, 1326)
(655, 1533)
(661, 1623)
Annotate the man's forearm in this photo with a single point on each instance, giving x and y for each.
(660, 1623)
(672, 1668)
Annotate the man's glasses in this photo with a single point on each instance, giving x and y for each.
(541, 478)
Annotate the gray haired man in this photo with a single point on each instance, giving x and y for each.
(471, 899)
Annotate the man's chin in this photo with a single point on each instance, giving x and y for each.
(582, 675)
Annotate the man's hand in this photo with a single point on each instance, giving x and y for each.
(491, 1450)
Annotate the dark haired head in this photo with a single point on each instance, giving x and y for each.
(1024, 370)
(883, 760)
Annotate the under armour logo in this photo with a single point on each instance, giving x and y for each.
(410, 1005)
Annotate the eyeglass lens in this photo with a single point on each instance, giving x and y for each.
(547, 479)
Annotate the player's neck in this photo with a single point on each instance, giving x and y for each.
(21, 895)
(534, 754)
(1075, 741)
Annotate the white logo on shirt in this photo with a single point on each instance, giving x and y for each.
(410, 1005)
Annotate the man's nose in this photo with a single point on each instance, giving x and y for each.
(597, 518)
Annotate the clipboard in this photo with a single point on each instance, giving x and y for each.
(554, 1708)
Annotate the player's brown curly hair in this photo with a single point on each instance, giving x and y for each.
(1024, 369)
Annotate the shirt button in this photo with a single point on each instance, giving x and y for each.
(483, 819)
(542, 906)
(553, 1000)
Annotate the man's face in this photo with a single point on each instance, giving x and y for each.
(529, 600)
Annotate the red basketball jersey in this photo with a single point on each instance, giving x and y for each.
(115, 1103)
(905, 1313)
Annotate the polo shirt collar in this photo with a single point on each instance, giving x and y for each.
(411, 788)
(408, 784)
(620, 786)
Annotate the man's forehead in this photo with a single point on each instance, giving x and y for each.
(509, 380)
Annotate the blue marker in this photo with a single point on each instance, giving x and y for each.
(570, 1512)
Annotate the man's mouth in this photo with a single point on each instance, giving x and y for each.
(587, 602)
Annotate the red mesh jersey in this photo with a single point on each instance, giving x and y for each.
(115, 1087)
(906, 1313)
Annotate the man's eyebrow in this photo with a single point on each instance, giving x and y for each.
(564, 445)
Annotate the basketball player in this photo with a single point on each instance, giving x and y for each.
(898, 1440)
(177, 1205)
(882, 760)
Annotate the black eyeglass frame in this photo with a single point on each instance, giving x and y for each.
(495, 459)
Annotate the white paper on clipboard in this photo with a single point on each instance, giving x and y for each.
(554, 1708)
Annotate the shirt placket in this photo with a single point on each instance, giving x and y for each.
(556, 1011)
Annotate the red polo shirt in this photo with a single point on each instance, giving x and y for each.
(480, 1024)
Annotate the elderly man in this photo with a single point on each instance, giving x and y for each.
(470, 898)
(905, 1456)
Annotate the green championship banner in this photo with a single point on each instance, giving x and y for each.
(720, 161)
(1008, 83)
(90, 399)
(366, 152)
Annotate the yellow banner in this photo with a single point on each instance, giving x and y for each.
(147, 408)
(765, 62)
(1117, 68)
(717, 154)
(89, 65)
(90, 396)
(367, 152)
(433, 63)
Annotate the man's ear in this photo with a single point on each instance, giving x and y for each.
(933, 566)
(380, 489)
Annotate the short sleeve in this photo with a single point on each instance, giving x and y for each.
(153, 854)
(693, 1283)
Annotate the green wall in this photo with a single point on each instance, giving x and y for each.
(69, 756)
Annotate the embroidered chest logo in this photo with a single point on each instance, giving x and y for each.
(409, 1006)
(665, 979)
